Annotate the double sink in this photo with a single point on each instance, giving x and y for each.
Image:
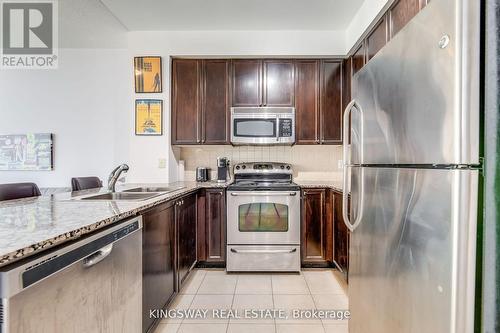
(133, 194)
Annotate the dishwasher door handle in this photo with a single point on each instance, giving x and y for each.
(98, 256)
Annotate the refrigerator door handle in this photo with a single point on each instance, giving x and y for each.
(347, 164)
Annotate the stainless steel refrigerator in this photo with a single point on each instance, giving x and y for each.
(412, 172)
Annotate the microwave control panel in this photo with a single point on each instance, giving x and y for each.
(285, 128)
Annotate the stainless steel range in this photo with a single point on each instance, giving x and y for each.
(263, 219)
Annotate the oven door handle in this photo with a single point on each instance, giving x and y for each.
(264, 251)
(263, 194)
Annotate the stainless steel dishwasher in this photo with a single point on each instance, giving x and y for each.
(91, 285)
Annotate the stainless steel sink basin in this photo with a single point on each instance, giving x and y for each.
(122, 196)
(154, 189)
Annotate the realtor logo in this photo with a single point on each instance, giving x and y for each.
(29, 34)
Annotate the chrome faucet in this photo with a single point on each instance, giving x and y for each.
(115, 174)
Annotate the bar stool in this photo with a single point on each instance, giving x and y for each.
(18, 191)
(85, 183)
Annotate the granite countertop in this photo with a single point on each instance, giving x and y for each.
(28, 226)
(31, 225)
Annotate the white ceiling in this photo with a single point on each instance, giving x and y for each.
(143, 15)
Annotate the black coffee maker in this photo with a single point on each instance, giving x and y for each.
(222, 169)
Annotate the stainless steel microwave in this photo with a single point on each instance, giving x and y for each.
(262, 125)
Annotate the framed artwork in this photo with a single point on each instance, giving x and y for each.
(26, 152)
(148, 117)
(147, 72)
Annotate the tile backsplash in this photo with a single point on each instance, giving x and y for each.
(309, 162)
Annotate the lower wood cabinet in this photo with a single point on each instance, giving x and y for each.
(341, 236)
(158, 259)
(212, 226)
(316, 234)
(185, 212)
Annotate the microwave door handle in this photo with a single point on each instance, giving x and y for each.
(277, 128)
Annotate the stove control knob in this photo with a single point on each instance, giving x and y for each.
(237, 167)
(288, 167)
(282, 166)
(244, 167)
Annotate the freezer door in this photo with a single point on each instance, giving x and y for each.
(418, 97)
(412, 257)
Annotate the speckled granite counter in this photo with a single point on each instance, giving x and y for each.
(29, 226)
(335, 185)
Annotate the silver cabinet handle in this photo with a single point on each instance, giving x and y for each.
(98, 256)
(347, 165)
(263, 251)
(265, 194)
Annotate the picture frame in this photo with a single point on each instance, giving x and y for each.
(148, 117)
(148, 76)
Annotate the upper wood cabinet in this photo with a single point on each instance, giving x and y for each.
(402, 12)
(186, 110)
(215, 102)
(258, 82)
(200, 101)
(377, 38)
(307, 101)
(358, 59)
(247, 82)
(331, 102)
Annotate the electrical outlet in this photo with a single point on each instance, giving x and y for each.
(162, 163)
(340, 164)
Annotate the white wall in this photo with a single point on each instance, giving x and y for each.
(79, 102)
(145, 152)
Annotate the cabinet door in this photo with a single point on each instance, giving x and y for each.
(215, 216)
(341, 236)
(377, 38)
(278, 83)
(247, 82)
(215, 105)
(331, 102)
(186, 236)
(186, 112)
(158, 268)
(402, 12)
(358, 59)
(306, 101)
(313, 244)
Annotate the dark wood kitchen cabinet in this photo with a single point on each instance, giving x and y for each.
(317, 234)
(307, 101)
(185, 213)
(358, 59)
(402, 12)
(331, 102)
(215, 101)
(212, 227)
(341, 236)
(158, 260)
(257, 82)
(200, 101)
(377, 38)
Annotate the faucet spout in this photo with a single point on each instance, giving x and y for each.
(115, 174)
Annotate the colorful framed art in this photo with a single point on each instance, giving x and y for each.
(147, 73)
(149, 117)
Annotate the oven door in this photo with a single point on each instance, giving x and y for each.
(263, 217)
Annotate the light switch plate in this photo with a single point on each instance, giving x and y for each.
(340, 164)
(162, 163)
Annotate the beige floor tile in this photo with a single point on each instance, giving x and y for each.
(216, 283)
(289, 284)
(251, 328)
(250, 284)
(210, 302)
(180, 302)
(336, 328)
(167, 328)
(295, 302)
(331, 302)
(323, 282)
(250, 302)
(300, 328)
(203, 327)
(193, 283)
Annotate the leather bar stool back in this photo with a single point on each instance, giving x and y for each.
(85, 183)
(18, 191)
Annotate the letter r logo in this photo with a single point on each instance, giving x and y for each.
(27, 27)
